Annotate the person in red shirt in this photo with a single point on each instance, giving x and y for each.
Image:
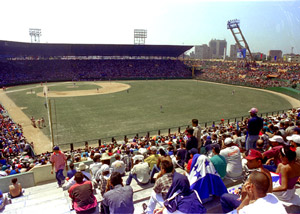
(192, 152)
(59, 162)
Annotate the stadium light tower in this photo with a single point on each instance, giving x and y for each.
(234, 26)
(36, 34)
(140, 36)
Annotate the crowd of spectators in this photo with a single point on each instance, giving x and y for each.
(261, 75)
(27, 71)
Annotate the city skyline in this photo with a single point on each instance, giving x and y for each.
(268, 25)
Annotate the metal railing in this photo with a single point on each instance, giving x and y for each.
(163, 131)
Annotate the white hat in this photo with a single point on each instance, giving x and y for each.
(277, 138)
(295, 138)
(153, 148)
(104, 168)
(82, 167)
(228, 141)
(105, 156)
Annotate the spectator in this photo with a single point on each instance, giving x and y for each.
(153, 158)
(81, 168)
(191, 142)
(3, 201)
(71, 172)
(295, 142)
(162, 186)
(289, 173)
(233, 159)
(218, 161)
(192, 152)
(256, 189)
(255, 124)
(197, 132)
(118, 165)
(156, 168)
(180, 156)
(82, 196)
(15, 190)
(59, 162)
(181, 198)
(102, 176)
(117, 199)
(95, 166)
(140, 173)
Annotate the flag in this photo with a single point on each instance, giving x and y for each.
(275, 177)
(261, 56)
(275, 57)
(204, 178)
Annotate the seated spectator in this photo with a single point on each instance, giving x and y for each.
(15, 190)
(86, 175)
(140, 173)
(14, 170)
(81, 193)
(181, 198)
(192, 152)
(204, 178)
(153, 158)
(95, 166)
(3, 201)
(272, 154)
(218, 161)
(230, 202)
(295, 142)
(156, 168)
(256, 189)
(126, 158)
(71, 172)
(289, 173)
(232, 155)
(102, 176)
(118, 165)
(161, 186)
(117, 199)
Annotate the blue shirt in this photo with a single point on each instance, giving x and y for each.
(255, 124)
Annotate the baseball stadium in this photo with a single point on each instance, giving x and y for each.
(92, 97)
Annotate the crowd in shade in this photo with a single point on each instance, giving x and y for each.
(27, 71)
(257, 75)
(186, 169)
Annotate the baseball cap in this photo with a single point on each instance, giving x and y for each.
(253, 110)
(295, 138)
(55, 148)
(276, 138)
(228, 141)
(193, 151)
(253, 154)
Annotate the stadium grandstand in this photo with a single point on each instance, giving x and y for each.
(24, 63)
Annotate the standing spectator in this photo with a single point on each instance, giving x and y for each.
(197, 132)
(59, 162)
(191, 142)
(81, 193)
(218, 161)
(233, 159)
(255, 124)
(119, 199)
(118, 165)
(15, 190)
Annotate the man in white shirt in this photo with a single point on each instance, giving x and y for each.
(118, 165)
(140, 173)
(257, 199)
(233, 158)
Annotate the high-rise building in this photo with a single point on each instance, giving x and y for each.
(218, 48)
(233, 51)
(202, 52)
(275, 53)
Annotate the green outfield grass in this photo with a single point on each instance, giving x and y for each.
(101, 116)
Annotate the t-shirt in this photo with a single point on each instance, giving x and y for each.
(234, 163)
(188, 167)
(267, 204)
(142, 172)
(59, 160)
(151, 160)
(220, 164)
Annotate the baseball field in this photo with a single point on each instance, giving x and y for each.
(100, 110)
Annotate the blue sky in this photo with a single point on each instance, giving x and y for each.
(266, 25)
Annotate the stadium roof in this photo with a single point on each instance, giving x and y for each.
(21, 49)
